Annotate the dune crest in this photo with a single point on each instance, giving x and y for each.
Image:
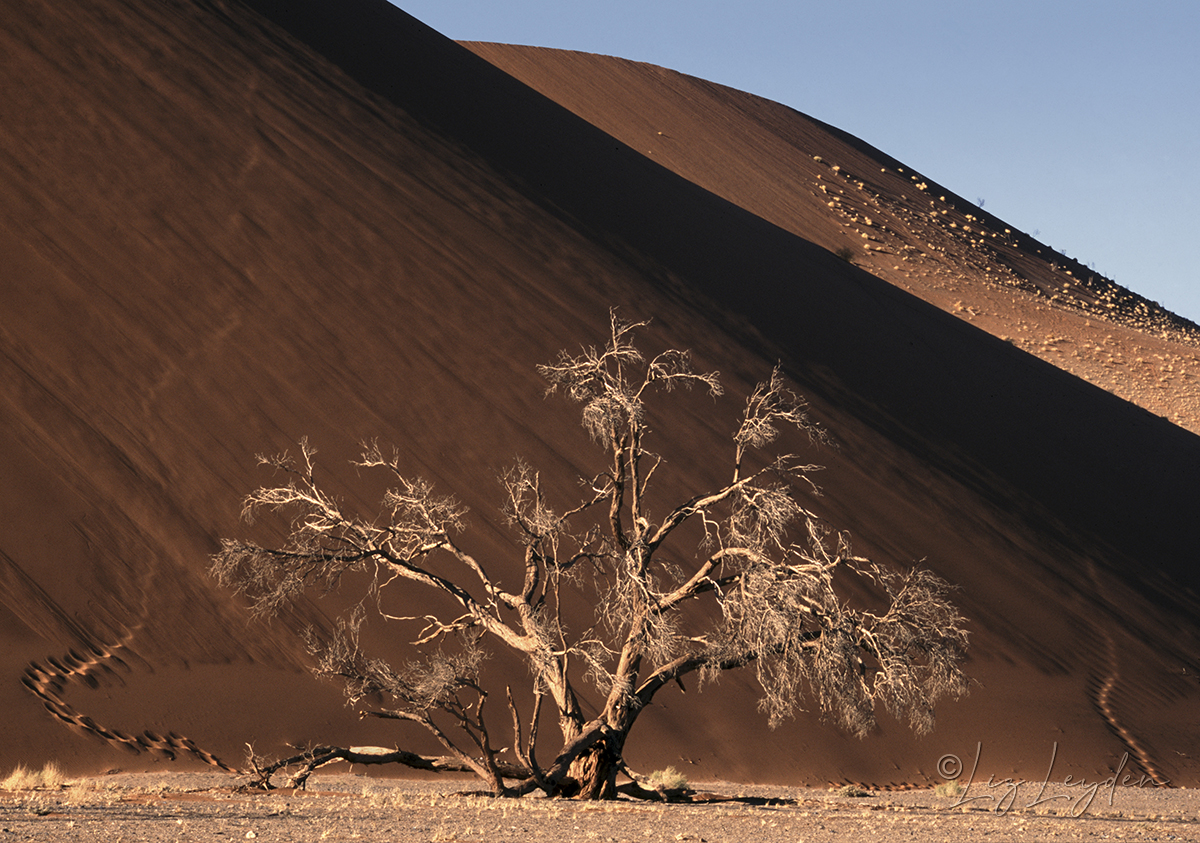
(900, 225)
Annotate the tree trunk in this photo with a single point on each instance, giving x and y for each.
(593, 775)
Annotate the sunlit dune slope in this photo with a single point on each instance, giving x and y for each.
(832, 188)
(229, 225)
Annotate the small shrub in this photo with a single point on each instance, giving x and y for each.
(668, 779)
(850, 790)
(950, 789)
(846, 253)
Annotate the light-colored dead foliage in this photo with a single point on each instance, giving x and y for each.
(764, 560)
(49, 777)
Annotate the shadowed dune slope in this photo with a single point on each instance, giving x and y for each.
(816, 181)
(227, 225)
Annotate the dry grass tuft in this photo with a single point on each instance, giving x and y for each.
(668, 778)
(22, 778)
(950, 789)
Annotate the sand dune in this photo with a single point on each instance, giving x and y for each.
(834, 189)
(228, 225)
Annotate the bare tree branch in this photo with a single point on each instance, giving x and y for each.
(765, 561)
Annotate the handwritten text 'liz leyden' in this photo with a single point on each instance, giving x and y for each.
(951, 767)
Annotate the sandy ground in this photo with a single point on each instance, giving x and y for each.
(345, 807)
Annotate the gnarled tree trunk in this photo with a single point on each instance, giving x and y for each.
(594, 773)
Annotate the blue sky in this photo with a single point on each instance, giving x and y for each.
(1077, 120)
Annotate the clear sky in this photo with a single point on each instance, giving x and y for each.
(1079, 121)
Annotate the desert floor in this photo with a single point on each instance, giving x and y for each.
(174, 806)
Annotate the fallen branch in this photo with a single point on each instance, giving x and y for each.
(311, 759)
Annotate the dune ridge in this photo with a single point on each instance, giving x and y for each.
(820, 183)
(233, 224)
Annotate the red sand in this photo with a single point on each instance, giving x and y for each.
(229, 225)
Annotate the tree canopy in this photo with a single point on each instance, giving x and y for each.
(768, 565)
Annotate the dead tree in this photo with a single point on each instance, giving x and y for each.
(764, 560)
